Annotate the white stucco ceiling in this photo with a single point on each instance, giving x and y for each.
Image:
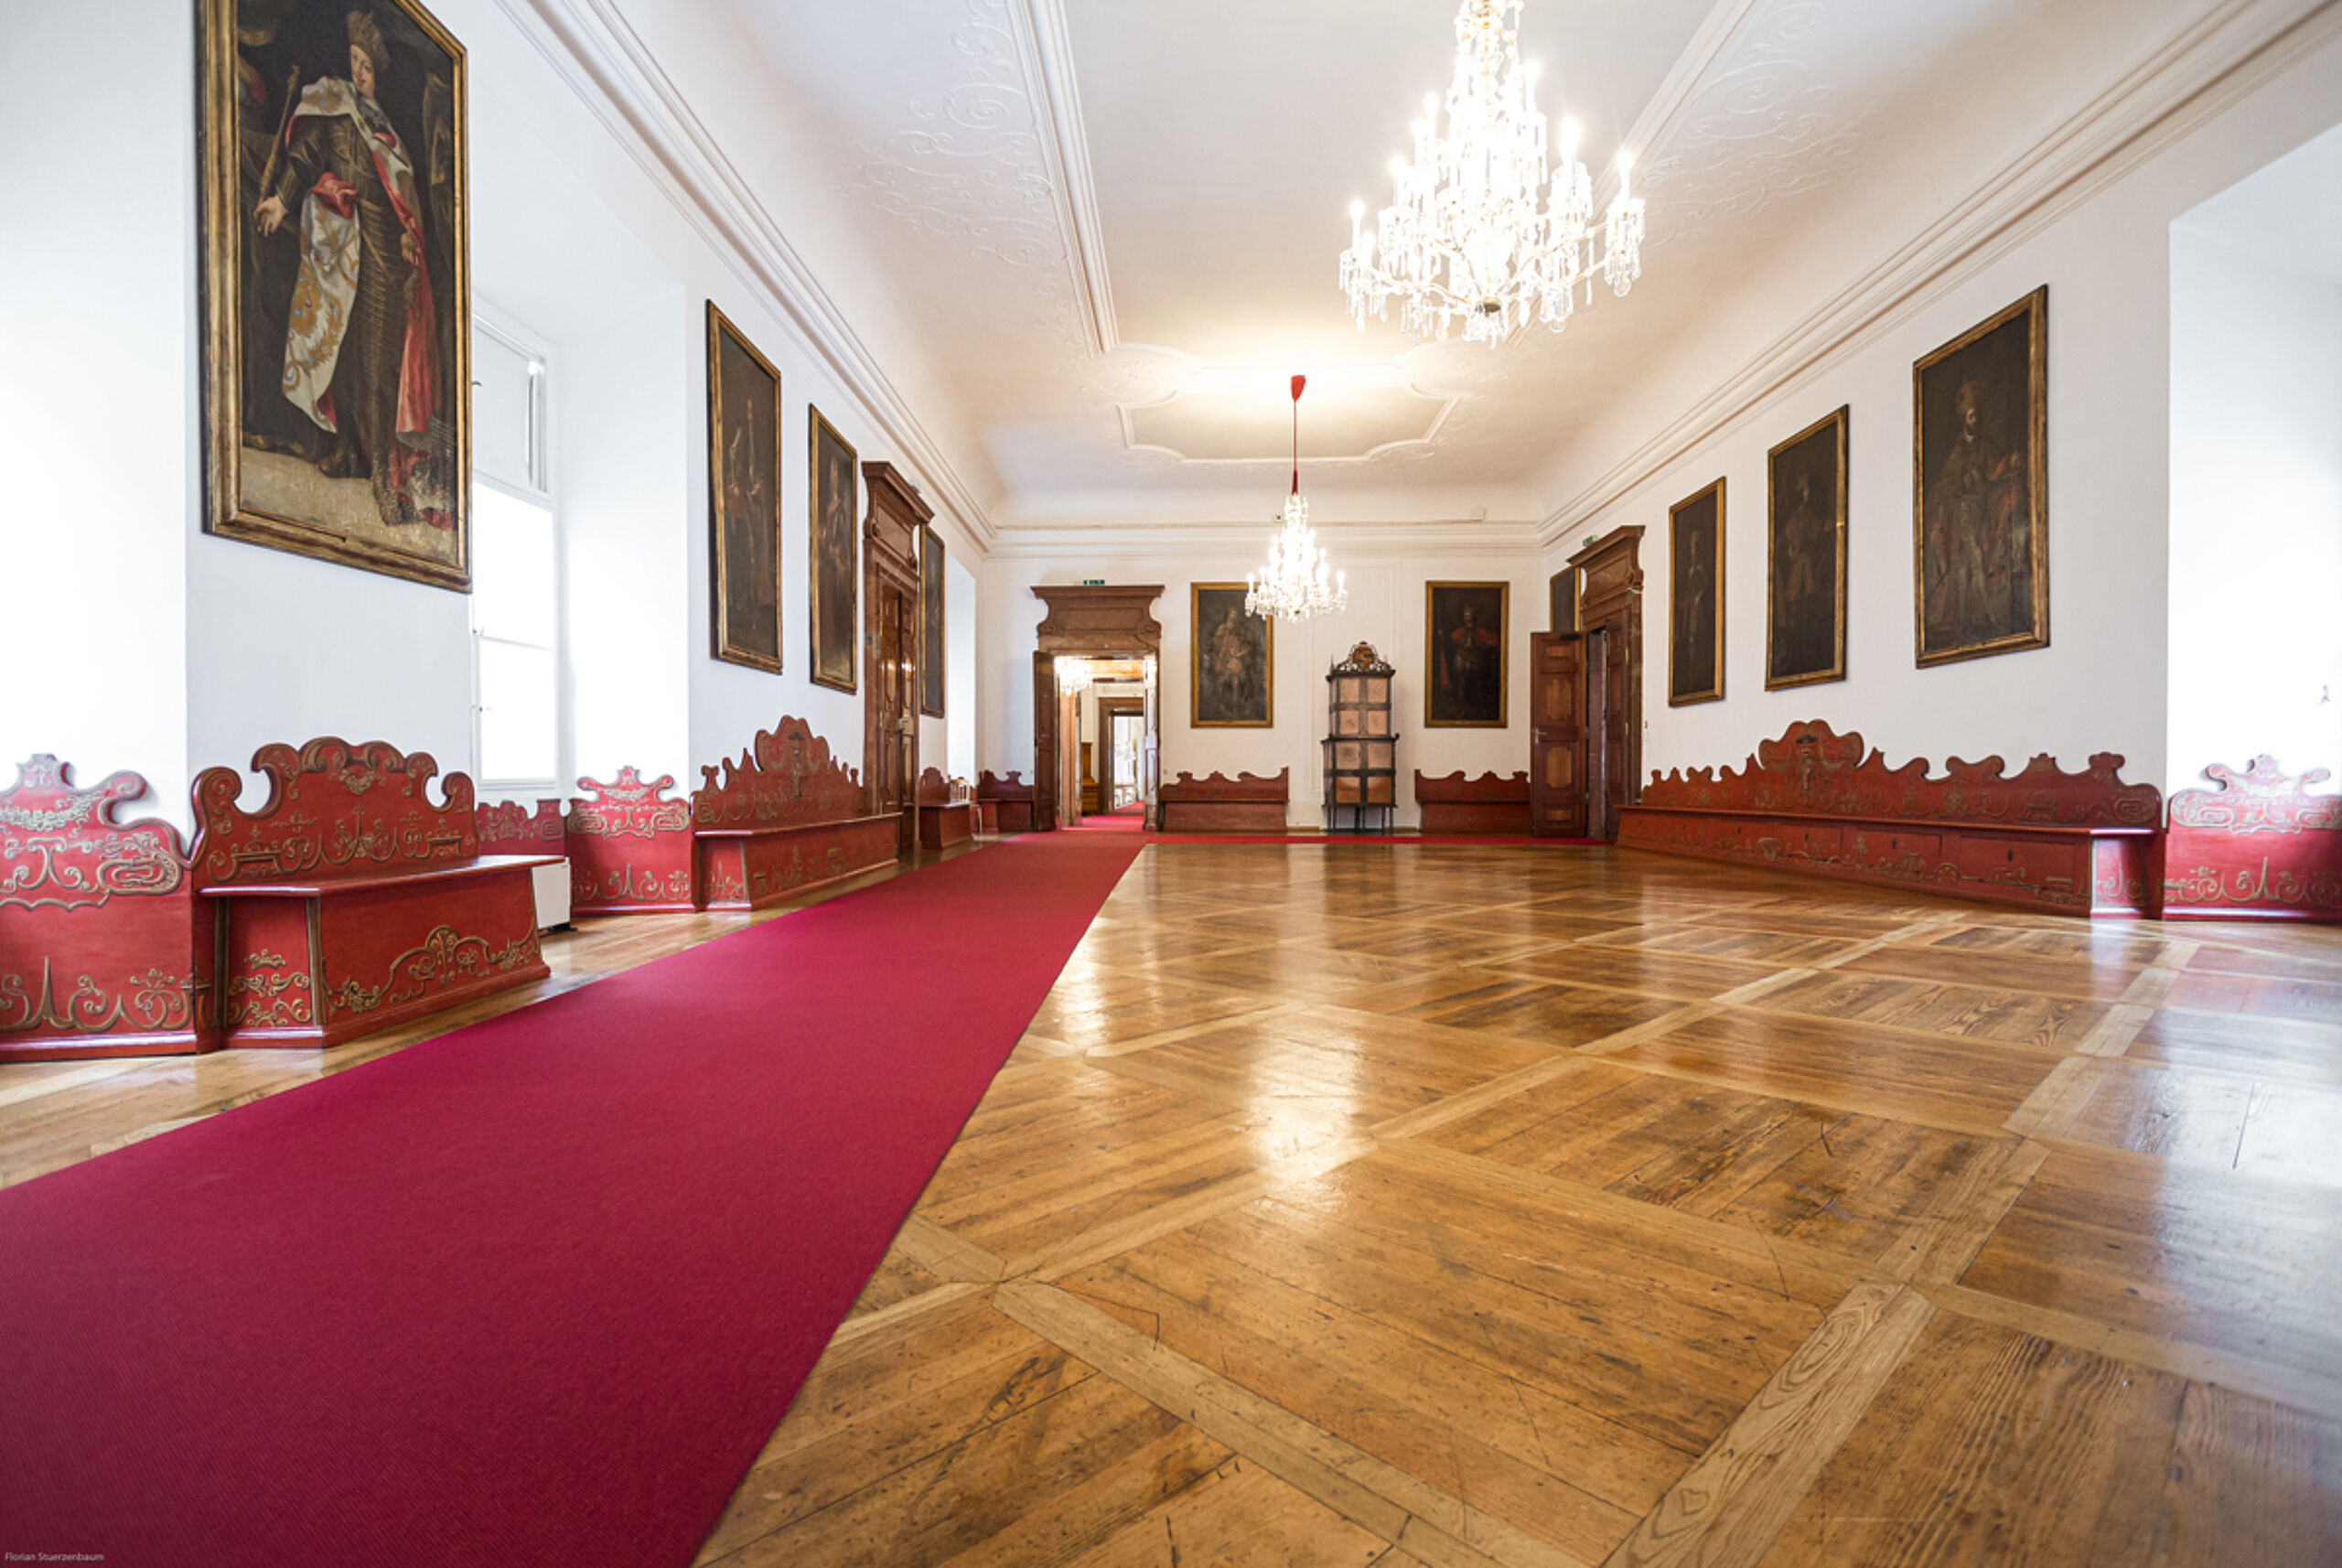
(1089, 239)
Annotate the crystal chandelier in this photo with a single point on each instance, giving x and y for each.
(1292, 586)
(1073, 674)
(1464, 235)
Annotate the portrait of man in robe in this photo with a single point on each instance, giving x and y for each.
(1466, 626)
(744, 497)
(1805, 555)
(932, 654)
(337, 395)
(1232, 661)
(1981, 488)
(837, 592)
(1695, 599)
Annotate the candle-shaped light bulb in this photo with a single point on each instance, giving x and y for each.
(1626, 168)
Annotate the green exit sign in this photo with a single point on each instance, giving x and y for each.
(1094, 582)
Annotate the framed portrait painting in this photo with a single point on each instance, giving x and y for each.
(1466, 630)
(743, 496)
(1232, 661)
(837, 598)
(1695, 599)
(931, 623)
(1980, 483)
(337, 296)
(1805, 556)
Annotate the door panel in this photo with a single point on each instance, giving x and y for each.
(1596, 754)
(1044, 742)
(1557, 796)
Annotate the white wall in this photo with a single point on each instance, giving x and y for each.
(2100, 685)
(622, 449)
(98, 401)
(1386, 608)
(958, 759)
(2256, 510)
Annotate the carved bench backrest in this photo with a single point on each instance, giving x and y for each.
(333, 810)
(1219, 787)
(785, 779)
(1811, 770)
(97, 928)
(627, 807)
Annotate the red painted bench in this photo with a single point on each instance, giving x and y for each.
(2076, 844)
(945, 817)
(1246, 803)
(1007, 804)
(1489, 804)
(785, 817)
(348, 902)
(100, 951)
(630, 848)
(2258, 844)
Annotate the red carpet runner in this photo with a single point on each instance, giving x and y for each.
(536, 1292)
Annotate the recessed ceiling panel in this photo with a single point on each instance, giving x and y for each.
(1255, 424)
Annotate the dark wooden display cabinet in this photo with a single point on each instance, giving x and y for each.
(1362, 748)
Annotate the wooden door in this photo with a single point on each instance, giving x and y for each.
(1600, 760)
(893, 674)
(1621, 727)
(1044, 742)
(1557, 793)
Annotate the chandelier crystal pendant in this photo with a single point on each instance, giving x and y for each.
(1293, 586)
(1475, 229)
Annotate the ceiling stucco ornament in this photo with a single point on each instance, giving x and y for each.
(971, 169)
(1761, 127)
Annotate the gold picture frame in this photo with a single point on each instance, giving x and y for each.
(743, 498)
(1459, 655)
(1980, 488)
(931, 612)
(1695, 597)
(832, 545)
(297, 395)
(1804, 642)
(1242, 652)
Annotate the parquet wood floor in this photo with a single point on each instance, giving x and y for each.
(1456, 1206)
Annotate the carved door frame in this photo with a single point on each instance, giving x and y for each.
(1089, 622)
(890, 565)
(1610, 601)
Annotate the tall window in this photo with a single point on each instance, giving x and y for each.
(513, 641)
(515, 618)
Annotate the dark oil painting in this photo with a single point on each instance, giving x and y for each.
(1561, 589)
(1465, 632)
(1695, 599)
(1981, 488)
(931, 624)
(1805, 556)
(743, 496)
(1231, 662)
(337, 304)
(836, 592)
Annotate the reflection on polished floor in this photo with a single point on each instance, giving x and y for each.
(1366, 1205)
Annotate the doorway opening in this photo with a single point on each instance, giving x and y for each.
(1585, 716)
(1095, 659)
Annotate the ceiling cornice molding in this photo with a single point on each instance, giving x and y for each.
(1047, 52)
(594, 50)
(2202, 70)
(1347, 542)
